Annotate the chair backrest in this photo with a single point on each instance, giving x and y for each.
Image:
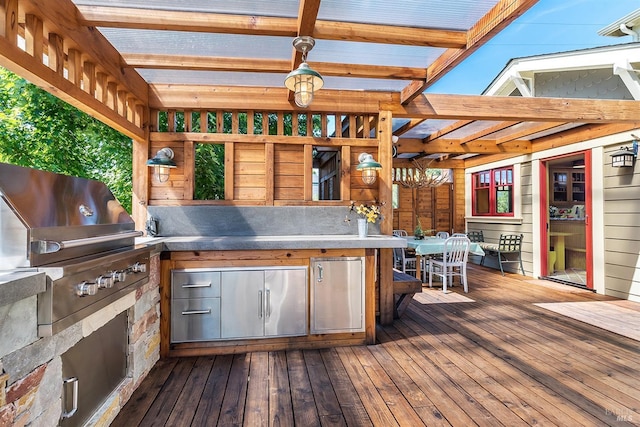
(458, 235)
(476, 236)
(456, 249)
(400, 233)
(442, 235)
(510, 243)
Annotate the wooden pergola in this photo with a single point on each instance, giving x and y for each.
(100, 58)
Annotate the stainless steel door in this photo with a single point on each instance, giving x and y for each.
(285, 302)
(337, 295)
(242, 311)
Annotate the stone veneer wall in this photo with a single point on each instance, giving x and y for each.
(31, 376)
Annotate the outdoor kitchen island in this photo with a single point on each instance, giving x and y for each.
(233, 294)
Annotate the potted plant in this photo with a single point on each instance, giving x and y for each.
(418, 232)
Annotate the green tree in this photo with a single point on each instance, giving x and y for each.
(40, 131)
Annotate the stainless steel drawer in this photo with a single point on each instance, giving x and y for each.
(195, 319)
(195, 283)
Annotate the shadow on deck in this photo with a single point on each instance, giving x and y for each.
(490, 357)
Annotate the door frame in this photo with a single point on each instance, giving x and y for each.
(544, 213)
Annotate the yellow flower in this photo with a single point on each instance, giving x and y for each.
(370, 212)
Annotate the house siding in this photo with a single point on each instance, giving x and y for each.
(595, 83)
(621, 230)
(493, 230)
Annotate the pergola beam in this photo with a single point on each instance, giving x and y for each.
(119, 17)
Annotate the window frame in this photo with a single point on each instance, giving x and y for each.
(494, 189)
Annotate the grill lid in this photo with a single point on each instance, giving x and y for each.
(47, 217)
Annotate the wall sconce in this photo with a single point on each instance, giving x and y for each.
(625, 156)
(369, 168)
(303, 81)
(162, 164)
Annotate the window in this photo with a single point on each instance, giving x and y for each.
(493, 192)
(326, 173)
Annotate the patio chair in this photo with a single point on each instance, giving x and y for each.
(475, 236)
(400, 233)
(508, 250)
(402, 262)
(442, 235)
(453, 262)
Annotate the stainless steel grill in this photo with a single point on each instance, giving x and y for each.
(75, 231)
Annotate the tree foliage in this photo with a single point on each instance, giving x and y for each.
(40, 131)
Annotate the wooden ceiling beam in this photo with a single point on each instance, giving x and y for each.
(494, 21)
(206, 63)
(119, 17)
(192, 97)
(487, 131)
(501, 108)
(528, 129)
(453, 146)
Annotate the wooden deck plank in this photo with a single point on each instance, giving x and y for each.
(256, 409)
(372, 401)
(280, 405)
(160, 410)
(490, 357)
(233, 403)
(527, 391)
(350, 403)
(323, 392)
(187, 403)
(304, 407)
(403, 412)
(144, 396)
(210, 404)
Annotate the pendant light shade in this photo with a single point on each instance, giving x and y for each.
(303, 81)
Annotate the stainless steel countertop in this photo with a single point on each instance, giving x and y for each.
(326, 241)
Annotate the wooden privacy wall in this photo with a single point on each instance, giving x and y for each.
(268, 156)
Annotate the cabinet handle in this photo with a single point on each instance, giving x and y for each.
(260, 304)
(320, 273)
(185, 313)
(268, 302)
(196, 285)
(74, 396)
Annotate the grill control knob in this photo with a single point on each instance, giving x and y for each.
(119, 276)
(104, 282)
(139, 267)
(86, 288)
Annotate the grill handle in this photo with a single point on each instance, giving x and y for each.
(50, 246)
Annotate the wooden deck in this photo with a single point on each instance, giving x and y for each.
(490, 357)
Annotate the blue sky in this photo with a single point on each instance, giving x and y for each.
(548, 27)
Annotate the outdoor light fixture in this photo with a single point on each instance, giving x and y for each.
(369, 168)
(625, 156)
(162, 164)
(303, 81)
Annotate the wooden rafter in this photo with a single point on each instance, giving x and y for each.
(257, 65)
(118, 17)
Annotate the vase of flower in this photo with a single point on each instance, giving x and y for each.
(363, 228)
(366, 214)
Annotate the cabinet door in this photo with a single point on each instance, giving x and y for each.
(337, 295)
(285, 294)
(242, 311)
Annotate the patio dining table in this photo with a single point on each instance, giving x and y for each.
(434, 246)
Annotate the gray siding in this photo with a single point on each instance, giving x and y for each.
(596, 84)
(492, 231)
(621, 229)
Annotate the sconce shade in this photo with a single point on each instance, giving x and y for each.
(369, 168)
(162, 163)
(304, 81)
(624, 157)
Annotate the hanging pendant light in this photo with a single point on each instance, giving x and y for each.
(303, 81)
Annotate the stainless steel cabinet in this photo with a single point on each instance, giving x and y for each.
(195, 305)
(267, 302)
(337, 295)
